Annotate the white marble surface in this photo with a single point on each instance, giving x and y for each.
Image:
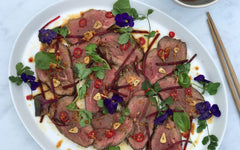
(15, 14)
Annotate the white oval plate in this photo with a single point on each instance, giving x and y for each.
(27, 45)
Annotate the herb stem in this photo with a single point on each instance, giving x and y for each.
(197, 85)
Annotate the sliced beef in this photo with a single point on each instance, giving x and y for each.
(140, 107)
(172, 134)
(81, 48)
(110, 48)
(184, 101)
(64, 76)
(81, 135)
(91, 104)
(130, 77)
(91, 17)
(103, 123)
(166, 43)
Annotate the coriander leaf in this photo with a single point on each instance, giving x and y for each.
(44, 59)
(88, 113)
(63, 31)
(168, 101)
(100, 103)
(81, 71)
(205, 140)
(121, 119)
(16, 80)
(145, 85)
(151, 34)
(182, 120)
(150, 93)
(126, 112)
(125, 30)
(71, 107)
(97, 68)
(114, 148)
(185, 68)
(134, 13)
(150, 11)
(84, 122)
(100, 74)
(184, 80)
(91, 47)
(124, 38)
(105, 111)
(82, 91)
(156, 87)
(120, 7)
(212, 87)
(19, 67)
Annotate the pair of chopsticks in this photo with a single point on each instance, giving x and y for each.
(227, 67)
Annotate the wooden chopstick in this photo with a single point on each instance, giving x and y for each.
(220, 48)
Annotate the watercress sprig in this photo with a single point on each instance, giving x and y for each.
(182, 73)
(125, 113)
(151, 33)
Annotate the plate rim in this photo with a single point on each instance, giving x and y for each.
(195, 6)
(33, 134)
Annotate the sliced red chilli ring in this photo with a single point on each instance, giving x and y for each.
(110, 133)
(142, 41)
(92, 135)
(174, 94)
(124, 47)
(109, 14)
(163, 53)
(139, 137)
(82, 22)
(188, 91)
(77, 52)
(98, 83)
(63, 116)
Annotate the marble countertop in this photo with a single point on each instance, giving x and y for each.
(15, 14)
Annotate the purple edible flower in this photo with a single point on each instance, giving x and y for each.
(124, 20)
(112, 104)
(159, 120)
(206, 111)
(201, 78)
(46, 36)
(30, 80)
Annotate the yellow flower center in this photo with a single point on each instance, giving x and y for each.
(46, 34)
(113, 100)
(126, 21)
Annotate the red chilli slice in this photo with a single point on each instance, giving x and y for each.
(109, 14)
(171, 34)
(188, 91)
(98, 83)
(92, 135)
(63, 116)
(142, 41)
(77, 52)
(174, 94)
(139, 137)
(82, 22)
(124, 47)
(110, 133)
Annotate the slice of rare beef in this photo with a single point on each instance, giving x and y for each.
(174, 50)
(57, 76)
(103, 123)
(116, 53)
(130, 78)
(92, 21)
(172, 137)
(140, 107)
(185, 101)
(70, 127)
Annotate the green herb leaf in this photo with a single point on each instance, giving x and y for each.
(145, 85)
(168, 101)
(205, 140)
(213, 138)
(150, 11)
(16, 80)
(212, 87)
(44, 59)
(184, 80)
(120, 7)
(71, 107)
(124, 38)
(105, 111)
(81, 71)
(82, 91)
(114, 148)
(121, 119)
(85, 117)
(182, 120)
(19, 67)
(125, 30)
(37, 106)
(202, 124)
(185, 68)
(100, 74)
(151, 34)
(126, 112)
(63, 31)
(156, 87)
(100, 103)
(91, 47)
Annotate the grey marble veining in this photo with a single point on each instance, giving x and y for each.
(15, 14)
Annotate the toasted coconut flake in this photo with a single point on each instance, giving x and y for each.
(163, 138)
(97, 24)
(73, 130)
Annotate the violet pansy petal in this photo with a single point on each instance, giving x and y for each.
(117, 98)
(24, 77)
(204, 116)
(215, 110)
(106, 102)
(159, 120)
